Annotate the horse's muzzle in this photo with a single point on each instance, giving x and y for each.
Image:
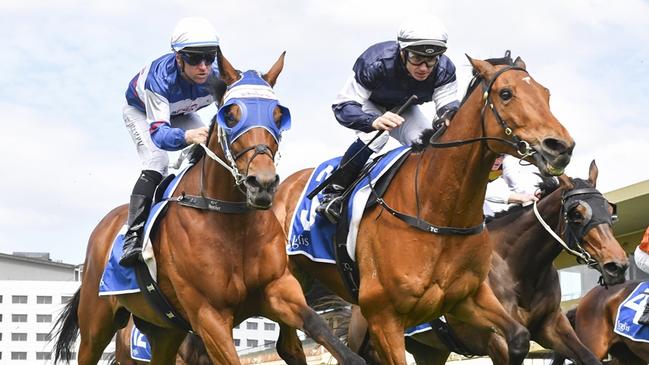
(553, 155)
(613, 272)
(260, 191)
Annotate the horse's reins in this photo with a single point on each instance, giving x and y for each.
(580, 253)
(521, 146)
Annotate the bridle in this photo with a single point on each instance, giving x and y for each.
(521, 146)
(573, 231)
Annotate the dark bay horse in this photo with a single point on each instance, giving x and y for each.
(523, 276)
(410, 276)
(215, 268)
(594, 320)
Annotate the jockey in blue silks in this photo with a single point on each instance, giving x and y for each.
(385, 76)
(160, 115)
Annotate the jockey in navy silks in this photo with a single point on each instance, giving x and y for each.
(385, 76)
(160, 115)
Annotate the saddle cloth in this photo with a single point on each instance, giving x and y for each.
(628, 313)
(312, 235)
(118, 279)
(140, 347)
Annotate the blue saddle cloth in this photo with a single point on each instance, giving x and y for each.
(140, 347)
(312, 235)
(628, 313)
(118, 279)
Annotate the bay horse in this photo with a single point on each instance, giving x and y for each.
(215, 268)
(523, 276)
(594, 320)
(410, 276)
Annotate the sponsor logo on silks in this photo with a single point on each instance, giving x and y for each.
(140, 347)
(628, 313)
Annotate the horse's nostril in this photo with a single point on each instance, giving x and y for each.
(555, 145)
(615, 268)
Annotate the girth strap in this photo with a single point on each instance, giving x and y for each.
(215, 205)
(157, 300)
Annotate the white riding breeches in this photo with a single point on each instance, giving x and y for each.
(152, 157)
(407, 133)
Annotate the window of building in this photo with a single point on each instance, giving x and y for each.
(18, 337)
(19, 318)
(15, 355)
(269, 326)
(43, 356)
(0, 299)
(251, 325)
(237, 342)
(44, 318)
(107, 356)
(269, 343)
(252, 343)
(43, 337)
(65, 299)
(19, 299)
(0, 336)
(43, 299)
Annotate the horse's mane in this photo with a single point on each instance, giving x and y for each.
(473, 84)
(546, 187)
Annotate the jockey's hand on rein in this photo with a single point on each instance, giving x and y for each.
(387, 121)
(198, 135)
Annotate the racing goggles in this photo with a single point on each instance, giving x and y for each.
(195, 58)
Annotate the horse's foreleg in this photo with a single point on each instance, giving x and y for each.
(358, 337)
(426, 355)
(164, 345)
(215, 329)
(386, 331)
(285, 302)
(557, 334)
(509, 342)
(289, 346)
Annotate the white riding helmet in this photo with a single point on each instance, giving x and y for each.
(194, 32)
(426, 36)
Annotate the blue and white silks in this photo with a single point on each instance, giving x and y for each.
(140, 346)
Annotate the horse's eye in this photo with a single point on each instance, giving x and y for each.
(506, 94)
(230, 120)
(574, 216)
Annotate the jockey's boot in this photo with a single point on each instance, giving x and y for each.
(332, 195)
(138, 211)
(644, 318)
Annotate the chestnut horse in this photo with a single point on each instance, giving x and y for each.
(594, 320)
(215, 268)
(523, 276)
(410, 276)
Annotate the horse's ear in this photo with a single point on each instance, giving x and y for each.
(565, 182)
(593, 171)
(271, 75)
(484, 68)
(227, 73)
(519, 63)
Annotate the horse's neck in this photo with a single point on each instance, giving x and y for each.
(212, 180)
(532, 249)
(452, 181)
